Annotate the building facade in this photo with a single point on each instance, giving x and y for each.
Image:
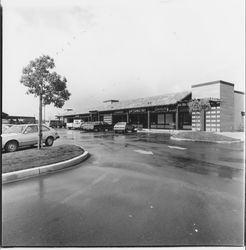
(227, 107)
(171, 111)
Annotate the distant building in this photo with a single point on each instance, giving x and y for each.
(10, 119)
(171, 111)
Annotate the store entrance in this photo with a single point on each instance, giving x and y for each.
(119, 118)
(139, 120)
(184, 120)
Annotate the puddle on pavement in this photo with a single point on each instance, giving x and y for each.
(206, 168)
(158, 139)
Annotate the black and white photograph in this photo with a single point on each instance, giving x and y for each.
(123, 123)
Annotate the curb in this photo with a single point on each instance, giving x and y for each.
(32, 172)
(170, 132)
(184, 139)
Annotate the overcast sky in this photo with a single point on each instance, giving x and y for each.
(121, 49)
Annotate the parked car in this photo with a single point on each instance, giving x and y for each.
(124, 127)
(96, 126)
(88, 126)
(102, 126)
(26, 135)
(5, 127)
(56, 124)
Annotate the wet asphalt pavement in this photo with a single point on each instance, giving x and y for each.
(134, 190)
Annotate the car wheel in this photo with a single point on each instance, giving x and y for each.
(49, 141)
(11, 146)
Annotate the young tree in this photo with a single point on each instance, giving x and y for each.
(45, 84)
(200, 105)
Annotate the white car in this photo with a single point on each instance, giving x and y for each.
(124, 127)
(26, 135)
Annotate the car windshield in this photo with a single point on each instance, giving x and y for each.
(15, 129)
(121, 123)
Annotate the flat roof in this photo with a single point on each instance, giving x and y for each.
(239, 92)
(210, 83)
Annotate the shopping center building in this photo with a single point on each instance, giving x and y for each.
(171, 111)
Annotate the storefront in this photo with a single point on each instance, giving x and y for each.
(139, 117)
(171, 111)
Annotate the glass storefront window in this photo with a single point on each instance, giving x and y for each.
(169, 118)
(160, 119)
(165, 120)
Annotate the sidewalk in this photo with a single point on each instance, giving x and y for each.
(175, 133)
(161, 131)
(234, 135)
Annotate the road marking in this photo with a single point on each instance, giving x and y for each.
(100, 178)
(180, 148)
(115, 180)
(79, 192)
(143, 152)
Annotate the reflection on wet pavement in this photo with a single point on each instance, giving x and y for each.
(135, 189)
(221, 160)
(206, 168)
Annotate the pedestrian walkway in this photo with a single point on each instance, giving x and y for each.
(234, 135)
(161, 131)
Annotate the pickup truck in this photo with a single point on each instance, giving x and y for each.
(69, 125)
(76, 124)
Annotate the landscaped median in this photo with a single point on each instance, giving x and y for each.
(32, 162)
(201, 136)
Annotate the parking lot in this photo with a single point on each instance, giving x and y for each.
(136, 189)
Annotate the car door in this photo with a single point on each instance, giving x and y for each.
(30, 135)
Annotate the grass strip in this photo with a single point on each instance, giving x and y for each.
(31, 158)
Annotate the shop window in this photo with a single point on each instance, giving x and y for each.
(160, 119)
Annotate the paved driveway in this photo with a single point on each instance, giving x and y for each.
(134, 190)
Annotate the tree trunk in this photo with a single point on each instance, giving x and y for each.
(40, 123)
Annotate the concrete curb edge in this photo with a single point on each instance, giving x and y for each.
(184, 139)
(172, 132)
(32, 172)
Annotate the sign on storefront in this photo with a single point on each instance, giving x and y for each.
(184, 109)
(120, 112)
(140, 110)
(165, 109)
